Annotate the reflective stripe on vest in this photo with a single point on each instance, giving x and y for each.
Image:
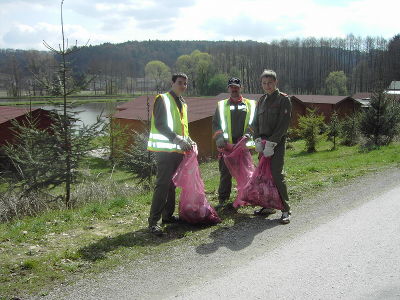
(225, 118)
(177, 124)
(221, 109)
(167, 103)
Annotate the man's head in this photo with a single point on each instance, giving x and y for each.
(234, 87)
(268, 81)
(179, 83)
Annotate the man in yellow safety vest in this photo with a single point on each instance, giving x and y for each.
(230, 122)
(169, 139)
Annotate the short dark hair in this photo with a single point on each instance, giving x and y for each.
(177, 75)
(268, 73)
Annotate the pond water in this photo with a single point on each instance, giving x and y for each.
(88, 112)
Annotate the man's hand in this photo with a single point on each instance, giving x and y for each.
(247, 136)
(259, 147)
(183, 143)
(269, 148)
(220, 141)
(193, 143)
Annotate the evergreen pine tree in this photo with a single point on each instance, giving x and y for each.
(309, 128)
(334, 129)
(350, 130)
(379, 124)
(39, 155)
(138, 160)
(49, 158)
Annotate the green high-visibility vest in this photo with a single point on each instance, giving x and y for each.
(177, 122)
(224, 109)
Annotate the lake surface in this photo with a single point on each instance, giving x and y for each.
(88, 112)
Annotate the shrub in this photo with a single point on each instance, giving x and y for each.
(137, 160)
(293, 135)
(309, 128)
(350, 130)
(42, 158)
(379, 124)
(333, 129)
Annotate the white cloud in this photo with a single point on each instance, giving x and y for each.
(25, 36)
(24, 24)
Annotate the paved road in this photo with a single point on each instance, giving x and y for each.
(355, 256)
(342, 244)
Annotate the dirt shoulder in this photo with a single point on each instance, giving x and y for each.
(162, 274)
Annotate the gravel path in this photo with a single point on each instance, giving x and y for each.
(344, 243)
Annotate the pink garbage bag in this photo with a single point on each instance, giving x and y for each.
(193, 206)
(238, 160)
(261, 189)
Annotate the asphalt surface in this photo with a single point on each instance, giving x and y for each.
(342, 244)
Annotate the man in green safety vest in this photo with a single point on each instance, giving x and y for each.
(169, 139)
(230, 122)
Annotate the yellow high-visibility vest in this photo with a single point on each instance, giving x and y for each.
(225, 116)
(177, 122)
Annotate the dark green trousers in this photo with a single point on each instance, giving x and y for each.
(225, 181)
(163, 203)
(277, 162)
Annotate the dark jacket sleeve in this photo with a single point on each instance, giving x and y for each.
(160, 119)
(283, 122)
(254, 129)
(216, 124)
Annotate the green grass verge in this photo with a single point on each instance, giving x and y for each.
(62, 245)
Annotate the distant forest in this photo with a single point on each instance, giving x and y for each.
(302, 65)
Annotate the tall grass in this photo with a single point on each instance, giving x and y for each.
(109, 219)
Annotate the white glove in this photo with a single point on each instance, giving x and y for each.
(259, 145)
(269, 148)
(183, 143)
(247, 136)
(191, 141)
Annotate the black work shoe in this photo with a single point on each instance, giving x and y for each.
(285, 218)
(263, 211)
(172, 219)
(222, 203)
(156, 230)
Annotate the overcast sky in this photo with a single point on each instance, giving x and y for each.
(25, 23)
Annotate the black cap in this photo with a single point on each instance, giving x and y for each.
(234, 81)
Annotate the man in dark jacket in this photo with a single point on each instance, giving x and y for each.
(271, 122)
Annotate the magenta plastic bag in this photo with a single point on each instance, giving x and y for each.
(238, 160)
(261, 189)
(193, 206)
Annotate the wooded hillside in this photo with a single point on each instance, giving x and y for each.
(303, 65)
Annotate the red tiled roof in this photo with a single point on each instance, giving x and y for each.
(8, 113)
(136, 109)
(362, 95)
(203, 107)
(321, 99)
(199, 107)
(248, 96)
